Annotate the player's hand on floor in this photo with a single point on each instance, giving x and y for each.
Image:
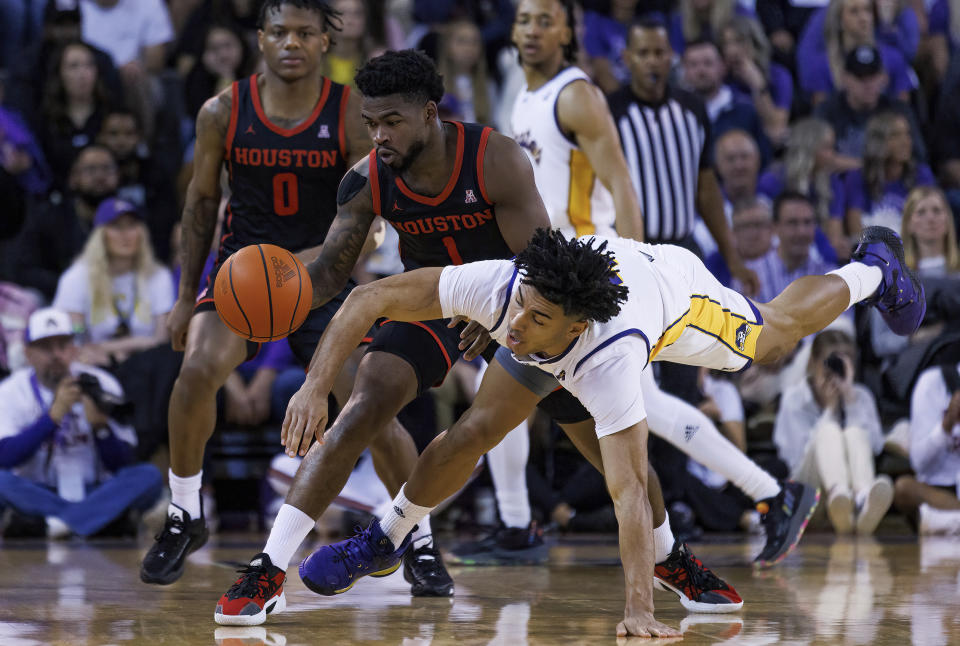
(473, 339)
(644, 625)
(306, 417)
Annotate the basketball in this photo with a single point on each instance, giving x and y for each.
(263, 292)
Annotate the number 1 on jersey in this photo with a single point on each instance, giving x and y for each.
(451, 246)
(286, 194)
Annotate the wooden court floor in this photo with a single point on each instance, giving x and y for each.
(891, 590)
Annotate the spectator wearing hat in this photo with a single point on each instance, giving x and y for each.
(847, 26)
(861, 95)
(116, 292)
(66, 461)
(56, 229)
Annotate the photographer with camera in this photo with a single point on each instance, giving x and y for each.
(828, 431)
(66, 455)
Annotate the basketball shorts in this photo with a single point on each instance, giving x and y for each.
(557, 402)
(430, 347)
(719, 327)
(303, 341)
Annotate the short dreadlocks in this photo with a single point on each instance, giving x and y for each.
(574, 274)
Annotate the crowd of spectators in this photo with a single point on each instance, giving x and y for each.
(824, 117)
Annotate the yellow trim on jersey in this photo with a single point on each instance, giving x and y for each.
(582, 178)
(708, 316)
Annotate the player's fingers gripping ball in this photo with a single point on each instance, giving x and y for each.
(263, 292)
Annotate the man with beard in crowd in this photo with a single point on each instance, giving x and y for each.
(57, 228)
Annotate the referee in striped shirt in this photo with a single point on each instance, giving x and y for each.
(665, 134)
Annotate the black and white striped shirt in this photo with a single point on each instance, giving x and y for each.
(665, 145)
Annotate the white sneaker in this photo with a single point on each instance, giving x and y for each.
(874, 503)
(840, 512)
(57, 529)
(933, 521)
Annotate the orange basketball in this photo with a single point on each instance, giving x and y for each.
(263, 292)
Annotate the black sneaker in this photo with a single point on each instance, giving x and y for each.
(506, 546)
(180, 536)
(784, 517)
(424, 570)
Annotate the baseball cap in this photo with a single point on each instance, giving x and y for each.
(112, 208)
(863, 61)
(47, 322)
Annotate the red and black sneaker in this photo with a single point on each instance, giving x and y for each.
(257, 593)
(699, 589)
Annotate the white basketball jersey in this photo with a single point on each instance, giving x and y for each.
(577, 202)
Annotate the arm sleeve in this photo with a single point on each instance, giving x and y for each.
(19, 448)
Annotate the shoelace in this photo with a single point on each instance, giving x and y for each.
(166, 535)
(354, 548)
(250, 584)
(702, 578)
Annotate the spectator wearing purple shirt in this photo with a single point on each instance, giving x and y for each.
(942, 37)
(795, 224)
(896, 26)
(847, 25)
(862, 97)
(810, 167)
(876, 193)
(604, 39)
(753, 76)
(697, 20)
(703, 72)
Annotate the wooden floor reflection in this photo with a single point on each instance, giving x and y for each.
(844, 591)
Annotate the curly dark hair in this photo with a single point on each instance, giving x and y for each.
(330, 18)
(574, 274)
(408, 72)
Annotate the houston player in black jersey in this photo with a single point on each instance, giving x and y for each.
(285, 138)
(455, 193)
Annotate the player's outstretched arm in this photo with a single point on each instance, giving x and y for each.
(410, 296)
(199, 219)
(583, 112)
(624, 457)
(511, 187)
(344, 242)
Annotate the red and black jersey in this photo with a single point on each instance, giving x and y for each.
(457, 226)
(283, 182)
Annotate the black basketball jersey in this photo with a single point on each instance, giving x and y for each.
(283, 182)
(452, 228)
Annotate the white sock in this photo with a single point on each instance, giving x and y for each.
(422, 535)
(662, 541)
(862, 280)
(687, 428)
(289, 530)
(398, 522)
(508, 468)
(185, 493)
